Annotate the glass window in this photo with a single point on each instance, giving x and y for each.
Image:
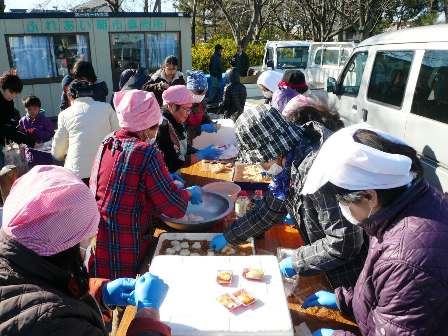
(269, 55)
(161, 45)
(292, 57)
(345, 54)
(431, 92)
(318, 57)
(353, 72)
(46, 56)
(389, 77)
(127, 51)
(330, 57)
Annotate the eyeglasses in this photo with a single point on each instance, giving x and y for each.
(185, 109)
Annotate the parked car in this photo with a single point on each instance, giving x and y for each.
(398, 82)
(318, 60)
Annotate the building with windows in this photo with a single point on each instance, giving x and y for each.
(44, 46)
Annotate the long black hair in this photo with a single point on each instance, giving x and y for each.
(385, 196)
(76, 278)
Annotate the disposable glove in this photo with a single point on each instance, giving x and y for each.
(196, 194)
(288, 220)
(117, 292)
(209, 153)
(208, 128)
(287, 268)
(323, 332)
(150, 291)
(179, 181)
(322, 299)
(218, 242)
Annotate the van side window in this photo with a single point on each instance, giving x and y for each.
(390, 76)
(353, 72)
(269, 56)
(345, 54)
(318, 57)
(431, 92)
(330, 56)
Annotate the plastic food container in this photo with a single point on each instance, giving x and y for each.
(226, 188)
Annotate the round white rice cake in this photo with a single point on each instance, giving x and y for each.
(184, 252)
(210, 253)
(184, 245)
(175, 243)
(196, 245)
(170, 251)
(177, 248)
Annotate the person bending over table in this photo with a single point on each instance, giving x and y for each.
(377, 180)
(332, 244)
(50, 219)
(173, 137)
(132, 187)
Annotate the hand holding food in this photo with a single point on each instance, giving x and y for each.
(150, 291)
(322, 299)
(209, 153)
(287, 267)
(118, 291)
(218, 242)
(178, 181)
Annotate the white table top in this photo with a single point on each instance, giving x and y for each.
(191, 308)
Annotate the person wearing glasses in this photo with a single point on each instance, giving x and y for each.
(172, 138)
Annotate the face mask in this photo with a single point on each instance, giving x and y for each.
(267, 94)
(347, 213)
(198, 98)
(274, 170)
(152, 141)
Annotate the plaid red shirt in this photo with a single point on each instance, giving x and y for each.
(132, 186)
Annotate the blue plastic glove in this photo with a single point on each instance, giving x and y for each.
(179, 181)
(288, 220)
(208, 128)
(218, 242)
(321, 299)
(209, 153)
(287, 268)
(196, 194)
(323, 332)
(117, 292)
(150, 291)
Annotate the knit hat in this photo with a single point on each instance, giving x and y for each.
(270, 79)
(196, 81)
(50, 210)
(301, 101)
(294, 79)
(136, 110)
(263, 135)
(177, 94)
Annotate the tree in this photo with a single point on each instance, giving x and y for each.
(115, 5)
(2, 6)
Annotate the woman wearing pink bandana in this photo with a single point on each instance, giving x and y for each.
(132, 187)
(292, 84)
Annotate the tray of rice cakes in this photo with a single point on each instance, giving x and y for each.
(249, 176)
(197, 244)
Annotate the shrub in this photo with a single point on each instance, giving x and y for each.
(203, 51)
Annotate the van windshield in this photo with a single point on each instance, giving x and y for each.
(292, 57)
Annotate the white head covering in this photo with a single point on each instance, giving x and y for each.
(354, 166)
(270, 79)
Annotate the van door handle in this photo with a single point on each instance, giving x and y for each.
(354, 107)
(364, 114)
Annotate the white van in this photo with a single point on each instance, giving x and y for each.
(317, 60)
(398, 82)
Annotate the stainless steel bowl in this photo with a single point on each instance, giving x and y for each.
(213, 208)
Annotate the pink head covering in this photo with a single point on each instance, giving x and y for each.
(136, 110)
(177, 94)
(299, 101)
(50, 210)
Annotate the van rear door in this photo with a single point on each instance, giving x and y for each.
(427, 124)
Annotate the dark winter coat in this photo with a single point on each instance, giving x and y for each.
(155, 83)
(235, 95)
(403, 287)
(241, 62)
(100, 92)
(216, 67)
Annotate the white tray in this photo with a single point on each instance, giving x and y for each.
(190, 236)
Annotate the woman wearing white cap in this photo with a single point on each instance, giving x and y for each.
(268, 83)
(403, 287)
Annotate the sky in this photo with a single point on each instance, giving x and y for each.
(135, 5)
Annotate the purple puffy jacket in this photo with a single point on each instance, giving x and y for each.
(403, 287)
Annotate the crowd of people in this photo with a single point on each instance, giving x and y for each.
(69, 254)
